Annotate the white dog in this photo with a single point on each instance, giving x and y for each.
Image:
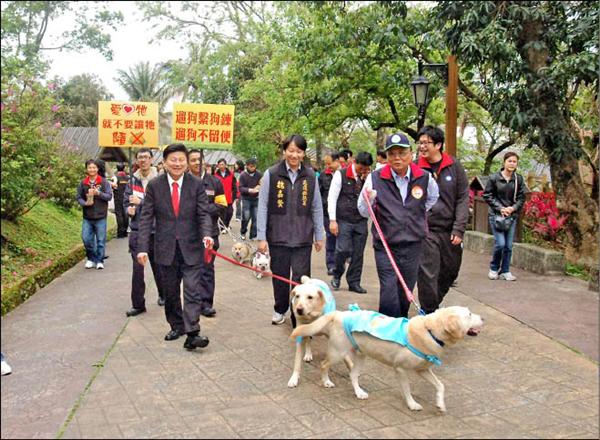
(418, 343)
(261, 262)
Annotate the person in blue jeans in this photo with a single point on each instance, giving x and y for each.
(249, 188)
(505, 194)
(93, 194)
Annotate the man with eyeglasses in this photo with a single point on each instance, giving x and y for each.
(447, 219)
(133, 200)
(401, 193)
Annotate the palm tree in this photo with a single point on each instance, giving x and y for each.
(145, 83)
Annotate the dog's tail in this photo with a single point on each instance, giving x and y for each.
(318, 326)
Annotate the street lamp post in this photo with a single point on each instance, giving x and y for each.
(420, 88)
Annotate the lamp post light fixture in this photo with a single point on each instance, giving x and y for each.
(420, 89)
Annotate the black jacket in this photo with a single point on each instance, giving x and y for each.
(325, 179)
(500, 193)
(451, 212)
(99, 209)
(188, 228)
(247, 181)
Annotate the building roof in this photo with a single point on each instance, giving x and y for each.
(84, 140)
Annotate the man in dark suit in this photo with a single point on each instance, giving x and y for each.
(177, 203)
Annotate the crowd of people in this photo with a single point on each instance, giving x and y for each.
(418, 198)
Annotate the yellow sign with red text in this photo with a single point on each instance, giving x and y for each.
(203, 125)
(128, 124)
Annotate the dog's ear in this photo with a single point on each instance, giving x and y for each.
(304, 279)
(292, 293)
(454, 328)
(321, 298)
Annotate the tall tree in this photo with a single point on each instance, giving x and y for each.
(145, 83)
(80, 96)
(535, 56)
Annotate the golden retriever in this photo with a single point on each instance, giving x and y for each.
(446, 325)
(308, 301)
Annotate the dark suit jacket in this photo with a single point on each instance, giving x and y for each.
(192, 224)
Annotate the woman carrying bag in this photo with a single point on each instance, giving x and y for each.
(505, 195)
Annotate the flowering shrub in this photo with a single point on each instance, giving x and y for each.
(31, 160)
(542, 216)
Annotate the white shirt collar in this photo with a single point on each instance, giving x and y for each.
(287, 166)
(398, 176)
(170, 179)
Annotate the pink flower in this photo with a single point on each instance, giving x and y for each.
(55, 108)
(14, 273)
(2, 106)
(9, 92)
(51, 86)
(57, 124)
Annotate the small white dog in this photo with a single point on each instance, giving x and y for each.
(261, 262)
(418, 343)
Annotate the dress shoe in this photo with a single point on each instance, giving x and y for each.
(330, 271)
(208, 312)
(161, 301)
(356, 288)
(172, 335)
(193, 342)
(133, 311)
(335, 283)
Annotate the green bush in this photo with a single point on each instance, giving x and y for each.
(34, 166)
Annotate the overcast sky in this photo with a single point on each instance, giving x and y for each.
(129, 44)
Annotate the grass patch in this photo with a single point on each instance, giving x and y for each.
(578, 271)
(38, 247)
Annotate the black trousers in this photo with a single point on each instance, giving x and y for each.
(228, 214)
(329, 243)
(392, 298)
(186, 320)
(350, 242)
(285, 261)
(138, 285)
(207, 279)
(440, 265)
(122, 218)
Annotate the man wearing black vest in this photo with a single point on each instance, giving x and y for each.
(176, 203)
(217, 207)
(346, 223)
(442, 253)
(290, 220)
(332, 164)
(400, 193)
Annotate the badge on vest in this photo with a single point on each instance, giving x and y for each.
(417, 192)
(448, 178)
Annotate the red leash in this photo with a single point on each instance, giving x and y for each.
(208, 256)
(407, 291)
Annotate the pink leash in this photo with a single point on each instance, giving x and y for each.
(409, 295)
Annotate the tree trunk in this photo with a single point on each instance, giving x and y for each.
(319, 149)
(380, 140)
(572, 199)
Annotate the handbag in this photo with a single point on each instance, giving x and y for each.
(504, 223)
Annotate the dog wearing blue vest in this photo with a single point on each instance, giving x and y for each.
(309, 301)
(404, 344)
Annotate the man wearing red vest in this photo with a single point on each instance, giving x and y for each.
(229, 185)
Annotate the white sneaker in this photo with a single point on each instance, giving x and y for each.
(5, 368)
(89, 264)
(100, 266)
(507, 276)
(278, 319)
(493, 274)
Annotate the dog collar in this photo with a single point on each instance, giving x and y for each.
(440, 343)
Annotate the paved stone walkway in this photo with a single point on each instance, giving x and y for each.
(511, 381)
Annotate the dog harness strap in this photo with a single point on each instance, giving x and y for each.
(428, 357)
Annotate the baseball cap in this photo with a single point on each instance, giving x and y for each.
(396, 140)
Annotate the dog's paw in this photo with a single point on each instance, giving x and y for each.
(258, 276)
(362, 394)
(328, 384)
(441, 406)
(414, 406)
(293, 382)
(308, 357)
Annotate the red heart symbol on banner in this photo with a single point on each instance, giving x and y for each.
(128, 108)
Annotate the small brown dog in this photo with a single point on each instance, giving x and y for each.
(241, 252)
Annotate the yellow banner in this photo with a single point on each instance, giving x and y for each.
(203, 125)
(128, 124)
